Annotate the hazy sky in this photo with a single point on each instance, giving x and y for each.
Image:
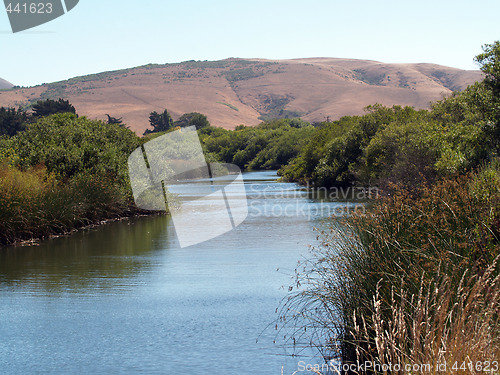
(113, 34)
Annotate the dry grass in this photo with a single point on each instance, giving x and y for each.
(135, 93)
(34, 204)
(415, 281)
(444, 329)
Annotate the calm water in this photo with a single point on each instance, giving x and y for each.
(125, 298)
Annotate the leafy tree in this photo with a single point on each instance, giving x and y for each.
(69, 146)
(489, 61)
(193, 119)
(490, 65)
(335, 167)
(160, 122)
(12, 121)
(114, 120)
(405, 152)
(49, 107)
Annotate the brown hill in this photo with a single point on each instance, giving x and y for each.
(236, 91)
(5, 85)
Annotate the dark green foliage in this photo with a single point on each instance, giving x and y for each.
(49, 107)
(114, 120)
(193, 119)
(490, 65)
(69, 146)
(267, 146)
(63, 172)
(160, 122)
(12, 121)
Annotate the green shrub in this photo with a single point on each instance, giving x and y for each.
(267, 146)
(63, 172)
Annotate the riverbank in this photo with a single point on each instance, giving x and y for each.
(37, 241)
(62, 173)
(36, 206)
(414, 280)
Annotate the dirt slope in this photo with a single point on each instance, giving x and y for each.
(4, 84)
(236, 91)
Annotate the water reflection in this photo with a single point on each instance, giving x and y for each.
(125, 298)
(90, 259)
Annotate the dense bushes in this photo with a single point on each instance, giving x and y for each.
(63, 172)
(267, 146)
(395, 145)
(69, 146)
(12, 121)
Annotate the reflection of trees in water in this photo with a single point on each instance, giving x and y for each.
(96, 258)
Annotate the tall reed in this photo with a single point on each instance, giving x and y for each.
(412, 281)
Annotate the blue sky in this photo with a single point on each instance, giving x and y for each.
(113, 34)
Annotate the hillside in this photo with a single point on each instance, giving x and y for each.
(236, 91)
(4, 84)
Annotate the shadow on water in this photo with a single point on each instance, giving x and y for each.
(93, 258)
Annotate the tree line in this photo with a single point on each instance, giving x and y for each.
(14, 120)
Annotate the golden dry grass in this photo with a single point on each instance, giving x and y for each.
(317, 88)
(444, 329)
(414, 281)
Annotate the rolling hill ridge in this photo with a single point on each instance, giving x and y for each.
(5, 85)
(246, 91)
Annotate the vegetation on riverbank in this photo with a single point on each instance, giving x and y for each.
(266, 146)
(415, 280)
(63, 172)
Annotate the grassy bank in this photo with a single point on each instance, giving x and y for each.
(414, 281)
(63, 172)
